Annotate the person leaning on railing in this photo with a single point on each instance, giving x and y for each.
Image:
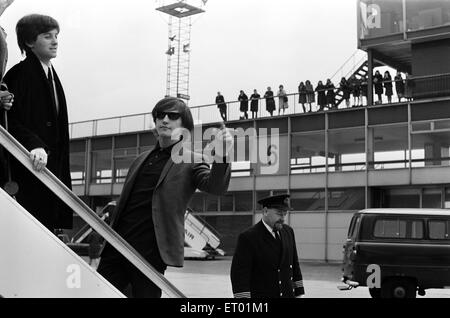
(302, 96)
(331, 95)
(378, 84)
(387, 82)
(282, 100)
(310, 96)
(321, 96)
(346, 91)
(399, 86)
(270, 102)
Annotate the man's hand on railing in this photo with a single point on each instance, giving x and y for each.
(6, 100)
(39, 158)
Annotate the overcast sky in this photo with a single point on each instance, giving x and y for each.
(112, 61)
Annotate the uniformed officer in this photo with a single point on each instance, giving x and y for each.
(265, 263)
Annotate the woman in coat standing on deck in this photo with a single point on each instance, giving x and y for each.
(270, 102)
(283, 100)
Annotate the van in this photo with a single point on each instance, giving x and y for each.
(397, 253)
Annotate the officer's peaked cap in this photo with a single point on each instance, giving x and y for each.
(276, 202)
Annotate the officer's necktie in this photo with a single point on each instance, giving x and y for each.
(277, 236)
(52, 89)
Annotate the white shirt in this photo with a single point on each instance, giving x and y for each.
(46, 69)
(269, 229)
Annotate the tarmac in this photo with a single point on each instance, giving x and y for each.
(211, 279)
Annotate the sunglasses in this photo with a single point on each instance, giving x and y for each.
(172, 116)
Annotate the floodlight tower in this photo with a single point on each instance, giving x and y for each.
(179, 50)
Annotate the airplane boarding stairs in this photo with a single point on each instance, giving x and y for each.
(200, 239)
(35, 263)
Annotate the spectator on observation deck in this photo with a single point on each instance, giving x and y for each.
(302, 95)
(243, 98)
(321, 96)
(387, 82)
(310, 96)
(331, 95)
(399, 86)
(220, 102)
(282, 100)
(270, 102)
(254, 104)
(378, 83)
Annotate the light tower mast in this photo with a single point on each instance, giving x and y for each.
(178, 53)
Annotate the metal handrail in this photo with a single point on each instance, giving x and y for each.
(89, 216)
(82, 233)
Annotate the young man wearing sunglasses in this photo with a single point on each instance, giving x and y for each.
(151, 208)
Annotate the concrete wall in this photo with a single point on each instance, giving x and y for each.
(316, 241)
(310, 234)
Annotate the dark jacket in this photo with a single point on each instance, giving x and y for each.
(3, 164)
(34, 122)
(387, 82)
(220, 101)
(270, 102)
(3, 61)
(302, 94)
(254, 102)
(331, 95)
(171, 196)
(244, 102)
(399, 85)
(378, 83)
(321, 95)
(259, 269)
(345, 88)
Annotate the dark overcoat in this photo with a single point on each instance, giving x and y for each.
(345, 88)
(270, 102)
(302, 94)
(244, 102)
(331, 95)
(378, 83)
(388, 86)
(3, 61)
(174, 190)
(399, 85)
(254, 102)
(321, 95)
(35, 123)
(220, 102)
(262, 269)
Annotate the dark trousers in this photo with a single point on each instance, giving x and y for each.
(122, 274)
(223, 114)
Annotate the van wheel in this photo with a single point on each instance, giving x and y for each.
(398, 288)
(375, 292)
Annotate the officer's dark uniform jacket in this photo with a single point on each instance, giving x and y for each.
(261, 267)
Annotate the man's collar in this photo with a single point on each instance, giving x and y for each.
(268, 228)
(167, 149)
(46, 67)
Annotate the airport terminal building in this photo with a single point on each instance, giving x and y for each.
(333, 163)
